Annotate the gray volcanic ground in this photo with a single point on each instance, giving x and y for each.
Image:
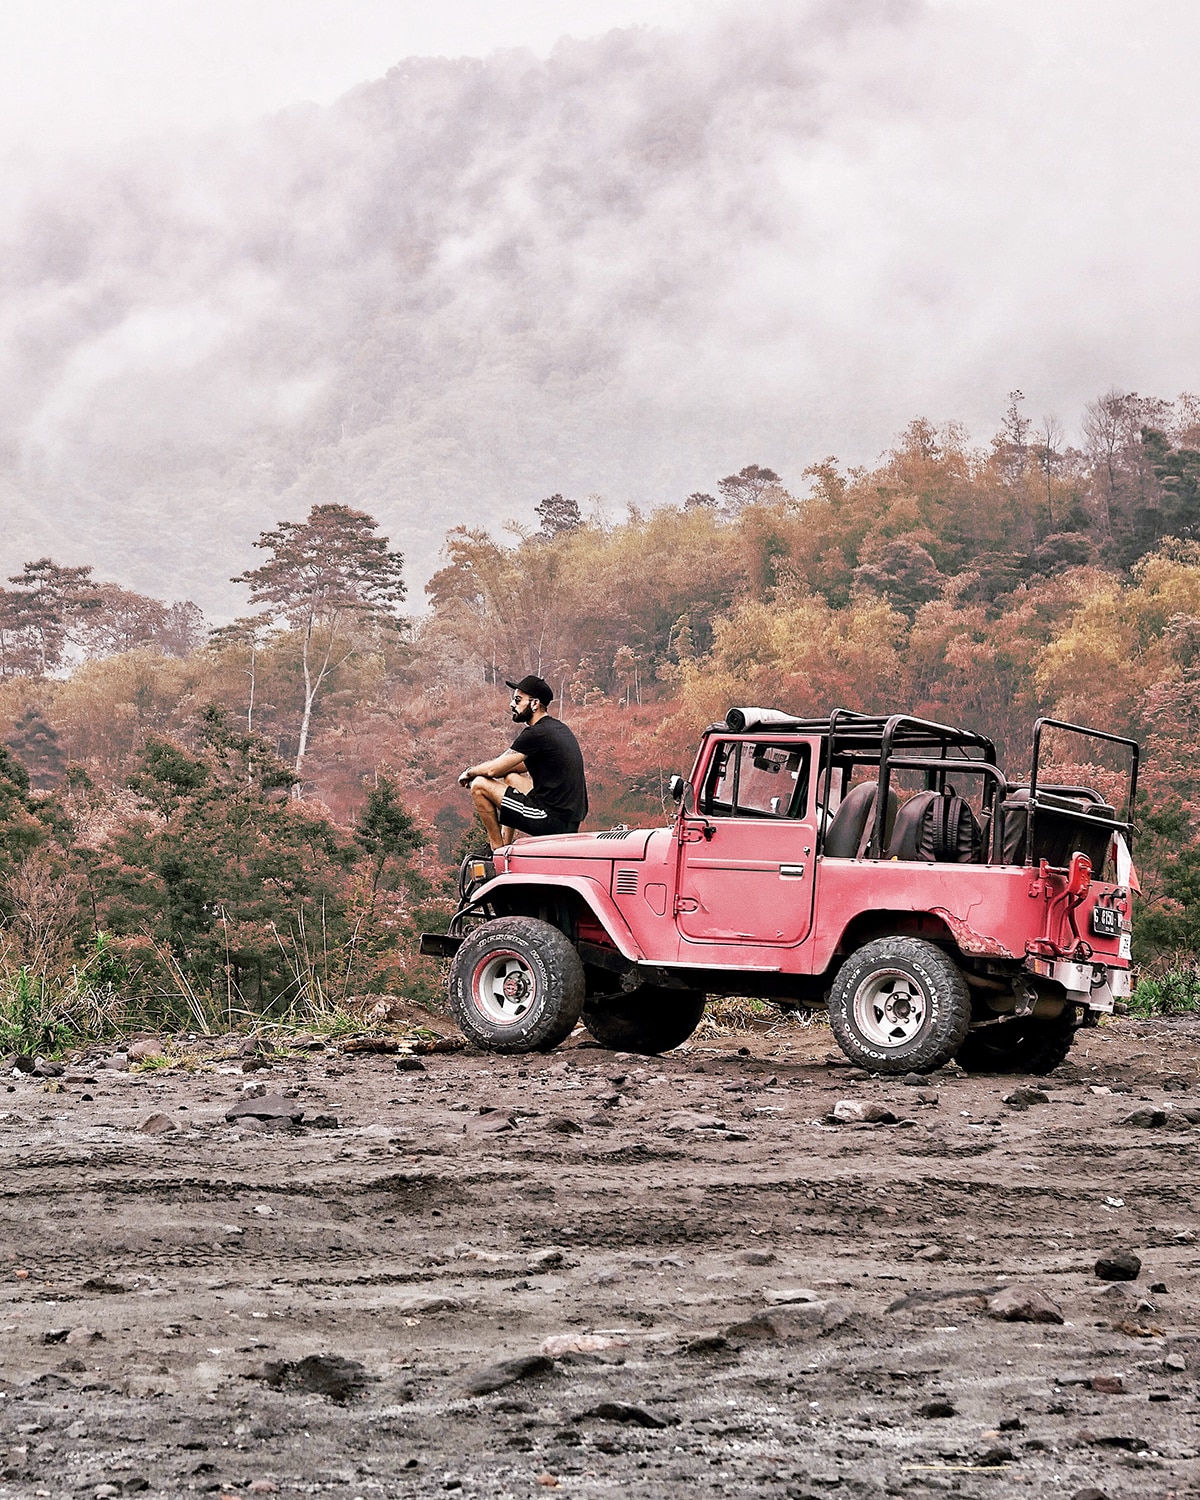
(601, 1273)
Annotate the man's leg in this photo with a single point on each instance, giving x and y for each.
(486, 792)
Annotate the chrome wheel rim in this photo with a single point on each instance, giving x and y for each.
(890, 1008)
(504, 988)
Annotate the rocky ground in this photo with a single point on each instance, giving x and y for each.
(603, 1274)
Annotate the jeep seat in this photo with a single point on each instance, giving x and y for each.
(850, 831)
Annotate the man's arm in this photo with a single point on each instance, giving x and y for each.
(503, 765)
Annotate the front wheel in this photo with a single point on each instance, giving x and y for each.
(650, 1020)
(516, 985)
(1024, 1045)
(900, 1005)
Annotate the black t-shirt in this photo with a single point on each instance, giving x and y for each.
(553, 758)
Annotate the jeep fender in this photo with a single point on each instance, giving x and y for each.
(593, 896)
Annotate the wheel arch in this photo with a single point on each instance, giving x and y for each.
(561, 900)
(866, 926)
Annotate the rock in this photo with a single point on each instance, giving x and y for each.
(622, 1411)
(330, 1375)
(266, 1107)
(793, 1321)
(504, 1372)
(55, 1335)
(1091, 1493)
(937, 1410)
(44, 1069)
(84, 1337)
(410, 1065)
(1192, 1116)
(1119, 1265)
(263, 1487)
(157, 1124)
(1146, 1119)
(146, 1048)
(564, 1125)
(930, 1253)
(848, 1111)
(757, 1258)
(251, 1046)
(426, 1306)
(1023, 1098)
(915, 1080)
(786, 1296)
(548, 1260)
(1022, 1304)
(689, 1120)
(106, 1491)
(490, 1122)
(707, 1343)
(581, 1343)
(1107, 1385)
(118, 1062)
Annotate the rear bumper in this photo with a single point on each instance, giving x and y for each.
(1098, 986)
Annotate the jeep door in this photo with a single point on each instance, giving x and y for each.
(750, 879)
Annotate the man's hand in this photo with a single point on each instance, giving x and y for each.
(466, 778)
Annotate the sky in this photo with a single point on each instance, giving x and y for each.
(75, 74)
(877, 209)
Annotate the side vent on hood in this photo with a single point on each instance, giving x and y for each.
(627, 882)
(619, 832)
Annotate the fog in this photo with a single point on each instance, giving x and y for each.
(617, 266)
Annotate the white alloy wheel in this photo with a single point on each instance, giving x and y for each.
(504, 987)
(889, 1008)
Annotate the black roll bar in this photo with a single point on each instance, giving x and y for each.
(1092, 734)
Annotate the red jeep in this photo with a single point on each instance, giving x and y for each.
(883, 867)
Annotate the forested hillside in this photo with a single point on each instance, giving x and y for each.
(266, 813)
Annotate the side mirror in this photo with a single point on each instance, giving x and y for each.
(677, 786)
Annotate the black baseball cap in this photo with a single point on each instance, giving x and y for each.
(533, 687)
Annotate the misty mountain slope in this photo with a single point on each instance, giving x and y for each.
(626, 269)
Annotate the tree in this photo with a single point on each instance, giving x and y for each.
(40, 611)
(385, 829)
(747, 487)
(245, 637)
(325, 576)
(1011, 444)
(558, 515)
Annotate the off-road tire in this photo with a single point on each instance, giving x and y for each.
(516, 985)
(899, 1005)
(650, 1020)
(1022, 1046)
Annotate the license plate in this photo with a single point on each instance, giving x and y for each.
(1106, 921)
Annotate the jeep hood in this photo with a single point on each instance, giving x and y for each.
(613, 844)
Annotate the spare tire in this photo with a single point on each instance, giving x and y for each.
(652, 1019)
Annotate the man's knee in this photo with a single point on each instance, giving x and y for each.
(486, 789)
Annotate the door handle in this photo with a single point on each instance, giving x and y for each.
(685, 904)
(791, 872)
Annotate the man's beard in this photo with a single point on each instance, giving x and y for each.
(524, 715)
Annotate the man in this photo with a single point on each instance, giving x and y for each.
(538, 785)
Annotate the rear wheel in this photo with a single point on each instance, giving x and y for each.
(1026, 1045)
(899, 1005)
(516, 985)
(650, 1020)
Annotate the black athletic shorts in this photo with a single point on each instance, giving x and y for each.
(518, 810)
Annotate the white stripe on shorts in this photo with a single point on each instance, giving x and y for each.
(528, 809)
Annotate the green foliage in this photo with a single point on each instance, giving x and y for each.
(1168, 987)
